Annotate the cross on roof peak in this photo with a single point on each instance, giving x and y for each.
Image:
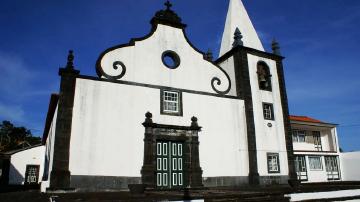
(168, 5)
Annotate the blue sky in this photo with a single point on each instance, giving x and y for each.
(320, 40)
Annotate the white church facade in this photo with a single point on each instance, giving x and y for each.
(165, 115)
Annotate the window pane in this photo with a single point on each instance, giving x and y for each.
(158, 163)
(158, 179)
(300, 165)
(174, 149)
(294, 137)
(331, 163)
(165, 179)
(273, 162)
(315, 163)
(301, 138)
(299, 135)
(171, 101)
(158, 148)
(180, 149)
(268, 111)
(180, 179)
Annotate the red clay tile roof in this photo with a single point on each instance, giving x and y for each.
(304, 118)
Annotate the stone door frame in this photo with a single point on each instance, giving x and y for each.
(188, 135)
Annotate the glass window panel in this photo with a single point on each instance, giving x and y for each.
(174, 163)
(273, 162)
(180, 164)
(315, 163)
(165, 179)
(165, 149)
(158, 179)
(267, 109)
(171, 101)
(158, 162)
(165, 164)
(174, 179)
(180, 149)
(158, 148)
(180, 179)
(174, 149)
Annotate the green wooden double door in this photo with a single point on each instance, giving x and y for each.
(169, 164)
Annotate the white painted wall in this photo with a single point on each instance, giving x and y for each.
(228, 66)
(107, 135)
(144, 63)
(49, 150)
(268, 139)
(18, 162)
(350, 162)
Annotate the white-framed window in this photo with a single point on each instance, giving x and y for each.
(32, 174)
(273, 163)
(299, 135)
(331, 163)
(268, 111)
(332, 168)
(315, 163)
(300, 168)
(171, 102)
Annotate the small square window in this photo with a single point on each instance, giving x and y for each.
(268, 111)
(273, 163)
(171, 103)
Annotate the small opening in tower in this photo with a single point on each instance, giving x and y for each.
(264, 76)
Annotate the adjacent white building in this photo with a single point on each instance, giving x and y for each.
(316, 150)
(350, 164)
(23, 166)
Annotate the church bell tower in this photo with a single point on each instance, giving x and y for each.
(259, 80)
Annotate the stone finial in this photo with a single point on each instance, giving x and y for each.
(194, 122)
(209, 55)
(70, 60)
(148, 116)
(275, 47)
(168, 5)
(237, 38)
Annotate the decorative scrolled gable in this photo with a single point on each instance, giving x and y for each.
(164, 57)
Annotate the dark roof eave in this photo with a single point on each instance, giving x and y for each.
(50, 115)
(249, 50)
(9, 153)
(330, 125)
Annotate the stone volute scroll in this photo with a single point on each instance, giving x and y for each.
(215, 81)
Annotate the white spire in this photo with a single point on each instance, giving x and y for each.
(237, 17)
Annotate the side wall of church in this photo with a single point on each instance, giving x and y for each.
(49, 153)
(107, 132)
